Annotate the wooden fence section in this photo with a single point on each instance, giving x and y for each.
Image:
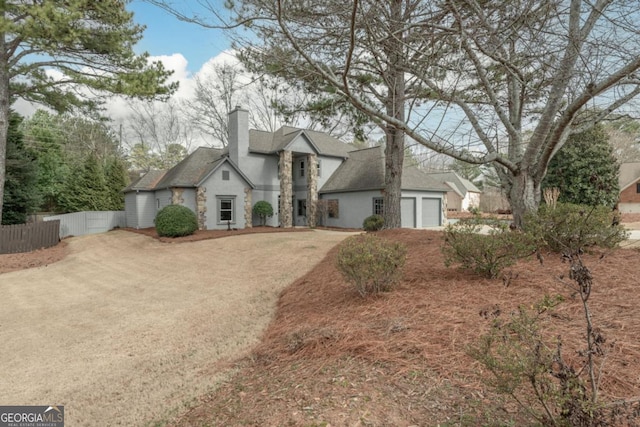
(28, 237)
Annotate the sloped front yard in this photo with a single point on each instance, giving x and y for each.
(125, 328)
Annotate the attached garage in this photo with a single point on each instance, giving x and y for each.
(408, 212)
(431, 211)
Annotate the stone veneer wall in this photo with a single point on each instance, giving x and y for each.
(286, 189)
(201, 206)
(312, 190)
(176, 196)
(248, 213)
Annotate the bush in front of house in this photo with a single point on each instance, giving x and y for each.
(373, 223)
(485, 251)
(572, 228)
(370, 263)
(264, 210)
(176, 221)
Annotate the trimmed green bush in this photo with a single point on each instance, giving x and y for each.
(487, 252)
(264, 210)
(370, 263)
(373, 223)
(176, 221)
(572, 228)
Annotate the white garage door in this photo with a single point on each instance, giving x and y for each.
(430, 212)
(408, 212)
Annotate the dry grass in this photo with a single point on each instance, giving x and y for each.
(401, 359)
(126, 328)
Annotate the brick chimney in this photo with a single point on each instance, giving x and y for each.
(238, 134)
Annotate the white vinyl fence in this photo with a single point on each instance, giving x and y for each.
(90, 222)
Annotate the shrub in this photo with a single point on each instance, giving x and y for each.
(176, 221)
(486, 254)
(373, 223)
(263, 209)
(571, 228)
(370, 263)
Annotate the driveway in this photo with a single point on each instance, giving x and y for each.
(126, 329)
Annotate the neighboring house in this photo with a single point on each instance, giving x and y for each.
(629, 181)
(462, 195)
(322, 177)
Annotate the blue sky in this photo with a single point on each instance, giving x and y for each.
(166, 35)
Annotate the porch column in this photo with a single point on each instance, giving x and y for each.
(312, 190)
(286, 189)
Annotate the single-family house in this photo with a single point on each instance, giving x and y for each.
(322, 178)
(462, 195)
(629, 181)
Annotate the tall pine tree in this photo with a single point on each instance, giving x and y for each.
(21, 196)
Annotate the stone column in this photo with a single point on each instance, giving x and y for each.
(201, 207)
(286, 189)
(248, 213)
(312, 190)
(176, 196)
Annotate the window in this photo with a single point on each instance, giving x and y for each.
(318, 167)
(226, 209)
(378, 206)
(333, 208)
(638, 188)
(301, 168)
(302, 208)
(225, 175)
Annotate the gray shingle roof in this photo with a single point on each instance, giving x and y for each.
(364, 170)
(272, 142)
(459, 184)
(146, 182)
(192, 169)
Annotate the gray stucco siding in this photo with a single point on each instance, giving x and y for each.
(163, 198)
(268, 196)
(353, 207)
(261, 169)
(219, 189)
(140, 208)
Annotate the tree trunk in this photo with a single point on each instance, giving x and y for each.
(4, 117)
(394, 151)
(524, 196)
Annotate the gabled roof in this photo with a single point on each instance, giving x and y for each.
(629, 173)
(273, 142)
(146, 182)
(364, 170)
(458, 184)
(190, 171)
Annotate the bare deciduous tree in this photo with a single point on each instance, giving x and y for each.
(484, 82)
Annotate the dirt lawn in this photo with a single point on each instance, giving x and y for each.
(126, 329)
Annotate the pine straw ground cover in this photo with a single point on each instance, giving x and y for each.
(332, 358)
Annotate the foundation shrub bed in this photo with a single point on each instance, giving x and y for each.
(373, 223)
(176, 221)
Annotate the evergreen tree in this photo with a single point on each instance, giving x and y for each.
(585, 170)
(116, 179)
(85, 189)
(89, 42)
(21, 196)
